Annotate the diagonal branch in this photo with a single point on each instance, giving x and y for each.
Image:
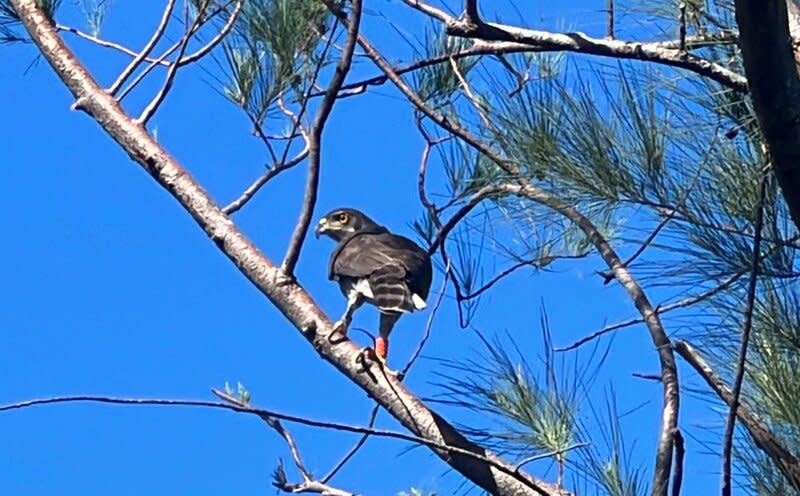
(315, 141)
(787, 463)
(483, 467)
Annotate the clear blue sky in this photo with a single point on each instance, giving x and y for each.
(109, 288)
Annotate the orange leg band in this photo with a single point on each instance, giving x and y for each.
(381, 347)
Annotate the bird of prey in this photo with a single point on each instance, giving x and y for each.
(371, 264)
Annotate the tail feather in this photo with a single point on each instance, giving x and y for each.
(390, 291)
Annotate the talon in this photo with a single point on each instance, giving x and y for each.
(374, 355)
(338, 331)
(340, 327)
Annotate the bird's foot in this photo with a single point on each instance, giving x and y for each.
(367, 355)
(339, 331)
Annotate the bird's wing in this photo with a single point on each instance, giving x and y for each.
(362, 254)
(398, 271)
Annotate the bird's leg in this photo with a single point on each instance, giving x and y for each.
(354, 300)
(381, 350)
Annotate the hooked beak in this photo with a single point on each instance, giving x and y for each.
(321, 227)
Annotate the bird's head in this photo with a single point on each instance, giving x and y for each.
(343, 222)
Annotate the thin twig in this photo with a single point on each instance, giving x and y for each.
(610, 19)
(315, 141)
(99, 41)
(727, 439)
(429, 323)
(139, 77)
(308, 484)
(200, 53)
(473, 201)
(162, 26)
(608, 277)
(346, 458)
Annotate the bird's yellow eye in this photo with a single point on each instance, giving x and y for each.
(343, 218)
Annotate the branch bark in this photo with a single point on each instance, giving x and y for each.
(488, 471)
(769, 63)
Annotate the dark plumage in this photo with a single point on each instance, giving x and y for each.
(372, 264)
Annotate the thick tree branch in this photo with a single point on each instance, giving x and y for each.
(315, 141)
(786, 462)
(484, 468)
(769, 63)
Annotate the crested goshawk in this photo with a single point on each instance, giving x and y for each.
(373, 265)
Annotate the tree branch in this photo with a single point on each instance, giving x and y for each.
(727, 439)
(580, 43)
(786, 462)
(315, 141)
(481, 466)
(770, 66)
